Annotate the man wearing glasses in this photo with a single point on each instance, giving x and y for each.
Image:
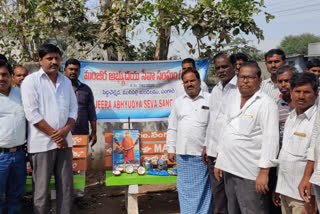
(248, 144)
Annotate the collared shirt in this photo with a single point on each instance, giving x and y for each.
(293, 155)
(284, 110)
(12, 120)
(44, 101)
(219, 99)
(188, 122)
(86, 110)
(179, 90)
(314, 151)
(268, 87)
(250, 139)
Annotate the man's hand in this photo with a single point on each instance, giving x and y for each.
(59, 134)
(172, 157)
(218, 174)
(204, 156)
(262, 181)
(63, 144)
(305, 189)
(93, 138)
(276, 199)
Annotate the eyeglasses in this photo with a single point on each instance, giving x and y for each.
(249, 78)
(222, 66)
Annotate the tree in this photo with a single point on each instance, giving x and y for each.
(26, 25)
(292, 45)
(238, 45)
(220, 21)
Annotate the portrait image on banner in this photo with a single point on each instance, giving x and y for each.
(126, 148)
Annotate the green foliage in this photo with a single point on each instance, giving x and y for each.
(292, 45)
(221, 21)
(26, 25)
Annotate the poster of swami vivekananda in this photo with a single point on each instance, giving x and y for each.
(126, 148)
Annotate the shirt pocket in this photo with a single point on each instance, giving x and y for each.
(202, 116)
(82, 97)
(246, 124)
(298, 145)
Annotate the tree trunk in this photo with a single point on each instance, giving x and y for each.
(163, 40)
(111, 51)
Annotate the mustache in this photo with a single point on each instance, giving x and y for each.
(221, 74)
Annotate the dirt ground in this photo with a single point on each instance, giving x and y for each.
(99, 199)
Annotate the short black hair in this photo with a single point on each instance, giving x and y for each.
(193, 70)
(72, 61)
(286, 68)
(252, 64)
(271, 52)
(6, 65)
(300, 79)
(189, 60)
(238, 56)
(313, 63)
(48, 48)
(223, 54)
(3, 58)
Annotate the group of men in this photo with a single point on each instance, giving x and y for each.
(245, 144)
(258, 140)
(43, 109)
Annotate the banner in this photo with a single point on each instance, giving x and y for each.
(143, 91)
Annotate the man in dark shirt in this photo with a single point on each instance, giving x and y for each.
(86, 109)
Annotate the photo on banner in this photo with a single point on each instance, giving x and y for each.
(125, 148)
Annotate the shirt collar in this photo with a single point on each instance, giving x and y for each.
(307, 114)
(232, 82)
(42, 73)
(201, 94)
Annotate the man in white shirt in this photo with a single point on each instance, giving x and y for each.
(185, 64)
(19, 73)
(296, 142)
(12, 138)
(275, 59)
(220, 97)
(248, 144)
(51, 109)
(185, 140)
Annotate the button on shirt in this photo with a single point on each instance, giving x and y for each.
(43, 101)
(293, 155)
(12, 120)
(250, 139)
(314, 151)
(270, 89)
(86, 110)
(187, 124)
(220, 97)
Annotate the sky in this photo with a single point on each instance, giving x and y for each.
(292, 17)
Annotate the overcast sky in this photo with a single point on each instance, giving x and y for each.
(292, 17)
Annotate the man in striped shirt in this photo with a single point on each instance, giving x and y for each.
(275, 59)
(285, 104)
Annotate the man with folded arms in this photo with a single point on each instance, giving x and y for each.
(51, 109)
(248, 145)
(12, 138)
(296, 142)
